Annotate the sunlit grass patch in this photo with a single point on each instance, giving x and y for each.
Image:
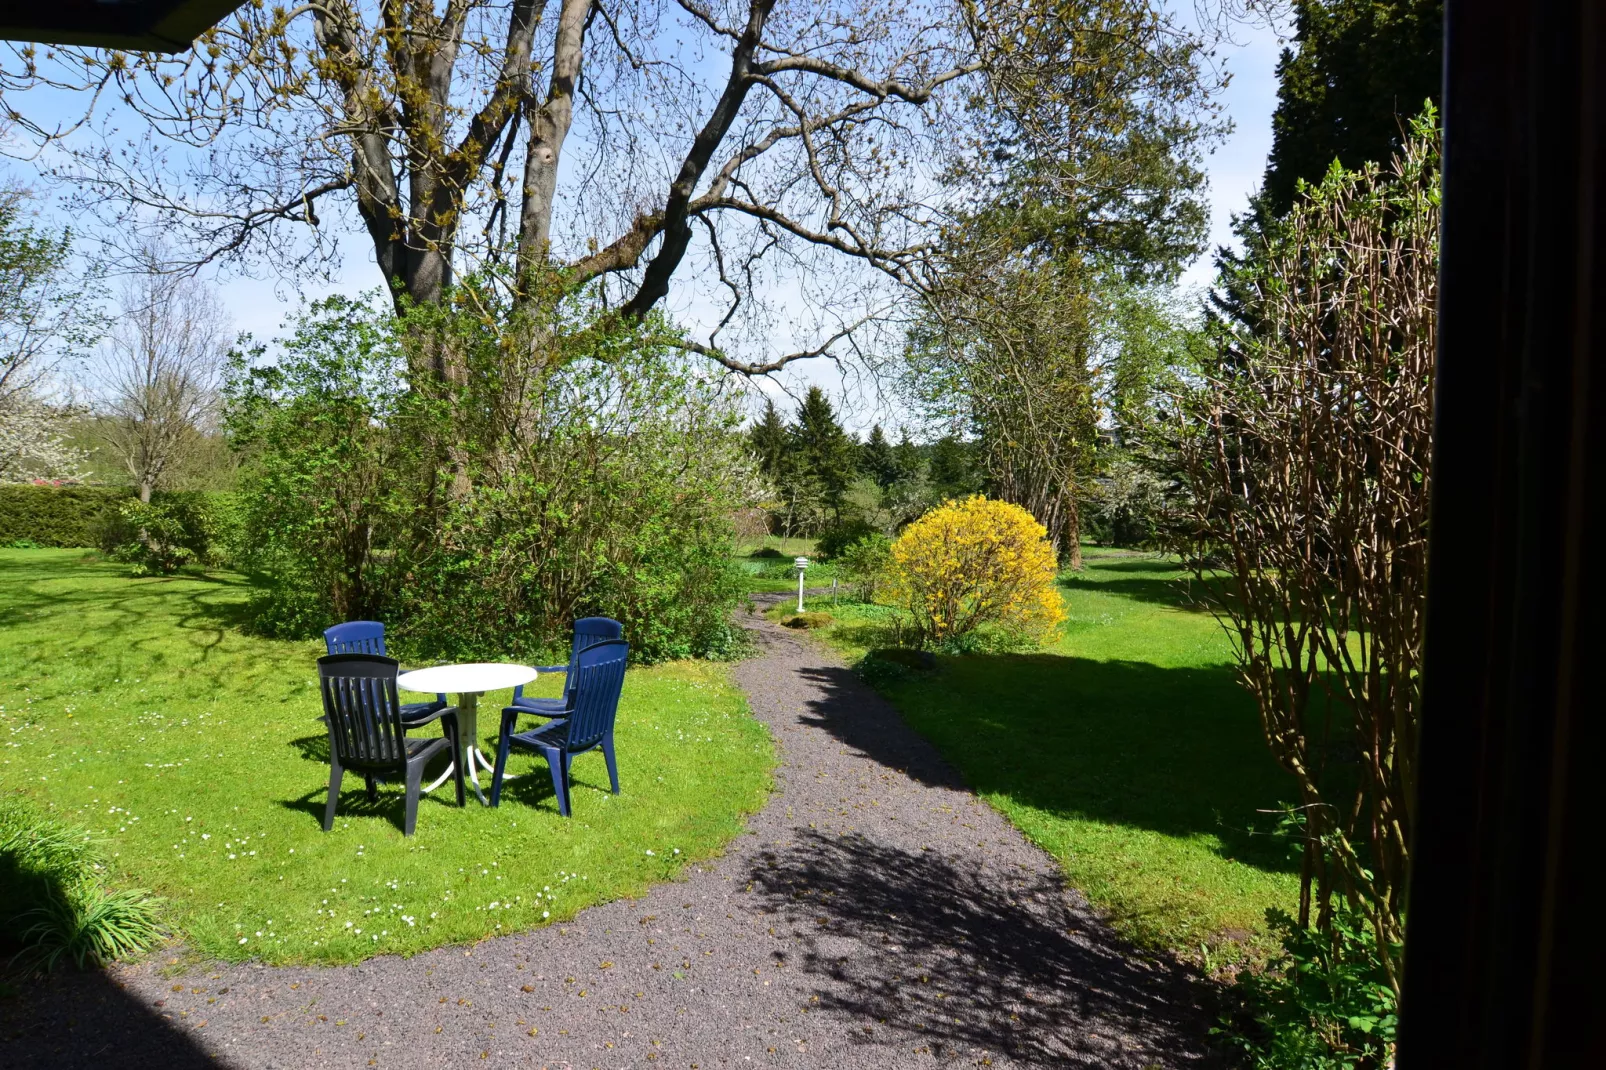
(1126, 749)
(139, 710)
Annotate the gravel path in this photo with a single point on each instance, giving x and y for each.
(875, 914)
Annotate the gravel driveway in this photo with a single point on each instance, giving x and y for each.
(875, 914)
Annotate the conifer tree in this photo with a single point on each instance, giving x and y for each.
(953, 469)
(908, 460)
(1361, 70)
(876, 458)
(825, 453)
(769, 444)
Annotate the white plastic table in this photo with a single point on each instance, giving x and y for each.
(469, 681)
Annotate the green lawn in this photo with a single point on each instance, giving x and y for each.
(1127, 750)
(139, 709)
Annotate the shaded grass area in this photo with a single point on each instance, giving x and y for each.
(138, 709)
(768, 565)
(1127, 750)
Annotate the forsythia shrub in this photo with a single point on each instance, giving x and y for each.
(975, 562)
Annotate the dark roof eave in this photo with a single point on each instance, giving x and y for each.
(153, 27)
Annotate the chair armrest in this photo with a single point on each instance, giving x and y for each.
(449, 711)
(518, 692)
(515, 712)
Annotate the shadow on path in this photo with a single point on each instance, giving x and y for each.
(955, 961)
(87, 1020)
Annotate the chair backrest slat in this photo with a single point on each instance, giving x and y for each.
(356, 637)
(597, 678)
(364, 713)
(588, 632)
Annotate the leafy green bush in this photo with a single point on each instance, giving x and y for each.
(332, 473)
(48, 515)
(866, 564)
(150, 537)
(172, 530)
(1326, 1005)
(480, 518)
(51, 900)
(839, 537)
(1128, 506)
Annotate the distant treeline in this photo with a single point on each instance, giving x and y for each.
(823, 477)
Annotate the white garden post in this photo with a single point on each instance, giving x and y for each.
(800, 564)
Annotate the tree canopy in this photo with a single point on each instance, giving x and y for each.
(1361, 69)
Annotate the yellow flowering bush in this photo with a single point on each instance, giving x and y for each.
(974, 562)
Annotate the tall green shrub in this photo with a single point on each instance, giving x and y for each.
(173, 529)
(329, 486)
(579, 468)
(57, 515)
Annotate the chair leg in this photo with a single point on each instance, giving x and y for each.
(415, 774)
(457, 766)
(613, 766)
(558, 762)
(503, 743)
(373, 790)
(336, 774)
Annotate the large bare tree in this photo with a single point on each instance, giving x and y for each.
(603, 139)
(160, 374)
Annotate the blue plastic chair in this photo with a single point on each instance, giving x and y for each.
(588, 631)
(367, 734)
(596, 676)
(368, 637)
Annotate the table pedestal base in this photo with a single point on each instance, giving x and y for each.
(472, 757)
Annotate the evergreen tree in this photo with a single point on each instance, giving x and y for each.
(1362, 70)
(768, 441)
(876, 458)
(825, 453)
(908, 460)
(953, 469)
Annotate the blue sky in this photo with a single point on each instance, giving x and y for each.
(260, 306)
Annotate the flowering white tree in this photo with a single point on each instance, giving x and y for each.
(33, 442)
(44, 317)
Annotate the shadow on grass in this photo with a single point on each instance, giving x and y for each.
(88, 1020)
(1173, 750)
(354, 801)
(1161, 583)
(203, 607)
(957, 960)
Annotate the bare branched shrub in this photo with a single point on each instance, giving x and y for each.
(1311, 467)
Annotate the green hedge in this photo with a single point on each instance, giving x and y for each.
(57, 516)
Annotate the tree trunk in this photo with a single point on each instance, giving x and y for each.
(1071, 540)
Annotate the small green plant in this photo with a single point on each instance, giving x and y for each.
(88, 925)
(23, 544)
(1324, 1005)
(866, 563)
(153, 538)
(52, 902)
(807, 620)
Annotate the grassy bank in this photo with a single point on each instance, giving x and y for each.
(140, 710)
(1127, 750)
